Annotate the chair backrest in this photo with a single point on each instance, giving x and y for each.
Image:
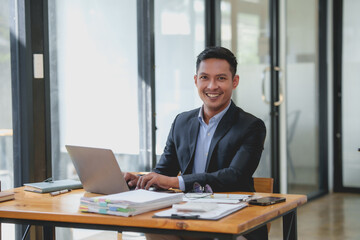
(265, 185)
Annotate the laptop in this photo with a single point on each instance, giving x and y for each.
(97, 169)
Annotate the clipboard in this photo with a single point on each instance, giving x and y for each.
(215, 214)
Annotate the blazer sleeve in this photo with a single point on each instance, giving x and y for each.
(168, 164)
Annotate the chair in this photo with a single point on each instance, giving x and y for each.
(264, 185)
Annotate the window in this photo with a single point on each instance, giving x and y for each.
(93, 72)
(179, 38)
(93, 69)
(6, 131)
(6, 153)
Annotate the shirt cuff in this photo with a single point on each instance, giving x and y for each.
(181, 183)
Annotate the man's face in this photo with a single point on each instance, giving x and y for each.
(215, 84)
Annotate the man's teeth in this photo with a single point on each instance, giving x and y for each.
(212, 95)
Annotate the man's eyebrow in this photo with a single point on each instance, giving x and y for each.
(220, 74)
(202, 73)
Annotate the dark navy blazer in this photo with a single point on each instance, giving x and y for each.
(234, 152)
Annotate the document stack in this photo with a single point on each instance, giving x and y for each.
(129, 203)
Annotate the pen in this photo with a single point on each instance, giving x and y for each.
(219, 195)
(239, 197)
(178, 216)
(59, 192)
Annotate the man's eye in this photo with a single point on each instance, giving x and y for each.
(222, 78)
(203, 77)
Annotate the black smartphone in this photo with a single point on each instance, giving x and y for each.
(265, 201)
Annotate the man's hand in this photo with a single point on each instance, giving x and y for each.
(158, 181)
(131, 179)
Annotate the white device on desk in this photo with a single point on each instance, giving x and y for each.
(97, 169)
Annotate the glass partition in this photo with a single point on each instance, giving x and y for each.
(245, 30)
(350, 95)
(302, 96)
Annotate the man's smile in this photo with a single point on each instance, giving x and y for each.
(213, 95)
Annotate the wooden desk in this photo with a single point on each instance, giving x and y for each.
(62, 211)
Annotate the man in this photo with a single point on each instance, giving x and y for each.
(218, 144)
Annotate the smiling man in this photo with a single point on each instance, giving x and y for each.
(218, 144)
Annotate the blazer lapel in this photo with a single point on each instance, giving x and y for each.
(193, 136)
(224, 126)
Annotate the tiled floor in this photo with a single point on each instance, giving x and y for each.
(334, 216)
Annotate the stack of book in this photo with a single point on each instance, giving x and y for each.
(129, 203)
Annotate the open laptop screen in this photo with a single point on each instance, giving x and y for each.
(97, 169)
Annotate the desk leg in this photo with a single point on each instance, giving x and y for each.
(49, 232)
(289, 226)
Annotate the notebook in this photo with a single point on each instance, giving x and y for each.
(50, 186)
(97, 169)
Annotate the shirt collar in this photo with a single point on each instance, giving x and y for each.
(215, 118)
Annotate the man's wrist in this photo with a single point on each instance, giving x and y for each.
(181, 183)
(174, 183)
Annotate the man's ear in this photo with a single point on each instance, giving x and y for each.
(195, 79)
(236, 81)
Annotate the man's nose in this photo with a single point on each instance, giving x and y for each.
(212, 84)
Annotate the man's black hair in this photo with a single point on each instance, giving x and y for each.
(219, 53)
